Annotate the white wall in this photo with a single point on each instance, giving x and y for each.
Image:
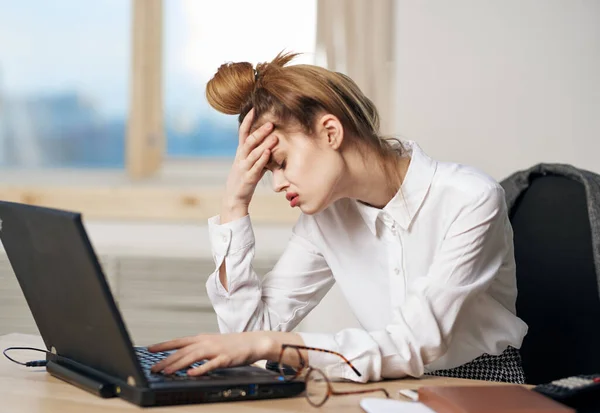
(501, 84)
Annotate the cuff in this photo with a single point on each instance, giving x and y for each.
(230, 237)
(332, 365)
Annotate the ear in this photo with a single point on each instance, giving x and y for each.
(330, 131)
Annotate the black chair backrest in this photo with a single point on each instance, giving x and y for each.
(556, 278)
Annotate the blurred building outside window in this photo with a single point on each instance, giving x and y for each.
(64, 68)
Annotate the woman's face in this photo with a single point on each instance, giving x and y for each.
(306, 168)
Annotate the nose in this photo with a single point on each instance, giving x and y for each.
(279, 181)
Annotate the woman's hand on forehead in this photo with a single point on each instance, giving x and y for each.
(253, 153)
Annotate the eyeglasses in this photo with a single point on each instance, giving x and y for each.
(318, 386)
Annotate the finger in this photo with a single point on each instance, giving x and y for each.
(245, 126)
(187, 360)
(259, 166)
(255, 138)
(257, 152)
(172, 344)
(158, 367)
(166, 362)
(263, 172)
(215, 363)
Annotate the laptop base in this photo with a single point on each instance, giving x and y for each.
(93, 382)
(84, 381)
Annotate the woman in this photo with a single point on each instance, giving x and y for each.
(421, 249)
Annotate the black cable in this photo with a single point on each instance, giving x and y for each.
(34, 363)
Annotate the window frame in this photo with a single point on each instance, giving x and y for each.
(145, 137)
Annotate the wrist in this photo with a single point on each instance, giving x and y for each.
(231, 211)
(267, 346)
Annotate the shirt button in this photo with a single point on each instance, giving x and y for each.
(224, 238)
(396, 271)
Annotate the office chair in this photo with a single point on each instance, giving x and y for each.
(556, 279)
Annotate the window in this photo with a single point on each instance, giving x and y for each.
(80, 89)
(199, 37)
(64, 68)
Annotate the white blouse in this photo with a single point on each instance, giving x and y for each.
(430, 277)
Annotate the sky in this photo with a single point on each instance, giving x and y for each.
(201, 35)
(65, 45)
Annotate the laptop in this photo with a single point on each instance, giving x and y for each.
(88, 343)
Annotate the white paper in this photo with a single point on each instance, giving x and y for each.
(375, 405)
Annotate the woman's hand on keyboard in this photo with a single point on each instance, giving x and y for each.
(220, 351)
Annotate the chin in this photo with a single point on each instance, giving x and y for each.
(307, 211)
(311, 209)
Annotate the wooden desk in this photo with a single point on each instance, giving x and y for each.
(32, 390)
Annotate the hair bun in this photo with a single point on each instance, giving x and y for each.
(231, 87)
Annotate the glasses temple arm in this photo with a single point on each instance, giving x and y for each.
(341, 393)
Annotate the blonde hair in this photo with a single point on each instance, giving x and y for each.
(296, 94)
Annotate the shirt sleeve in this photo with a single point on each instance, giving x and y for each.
(422, 328)
(281, 299)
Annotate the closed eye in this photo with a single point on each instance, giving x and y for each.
(273, 164)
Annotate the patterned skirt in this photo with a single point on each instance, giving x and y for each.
(506, 368)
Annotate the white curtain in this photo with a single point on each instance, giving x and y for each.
(356, 37)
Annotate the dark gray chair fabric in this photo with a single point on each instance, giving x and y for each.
(557, 276)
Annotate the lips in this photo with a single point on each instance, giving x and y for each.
(292, 198)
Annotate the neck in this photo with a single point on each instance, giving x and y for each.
(367, 181)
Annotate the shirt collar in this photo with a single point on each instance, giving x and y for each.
(404, 206)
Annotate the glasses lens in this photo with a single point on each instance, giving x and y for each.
(290, 363)
(317, 387)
